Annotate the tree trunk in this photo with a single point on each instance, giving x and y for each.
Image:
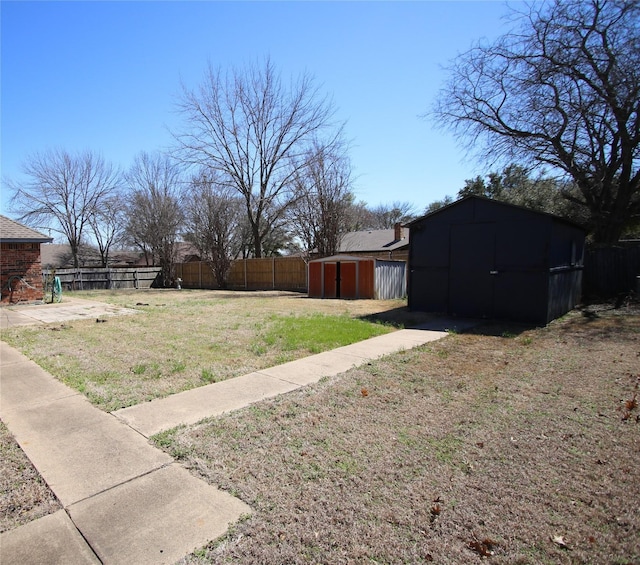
(257, 242)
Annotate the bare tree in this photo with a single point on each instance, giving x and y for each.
(213, 223)
(563, 91)
(154, 214)
(254, 131)
(63, 192)
(386, 216)
(108, 226)
(322, 210)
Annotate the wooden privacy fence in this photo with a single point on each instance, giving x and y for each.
(103, 278)
(610, 271)
(268, 273)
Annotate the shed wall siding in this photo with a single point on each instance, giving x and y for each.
(482, 258)
(390, 280)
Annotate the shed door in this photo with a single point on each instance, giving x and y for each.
(348, 280)
(472, 269)
(330, 280)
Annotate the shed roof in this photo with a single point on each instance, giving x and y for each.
(493, 202)
(337, 258)
(352, 258)
(15, 232)
(373, 241)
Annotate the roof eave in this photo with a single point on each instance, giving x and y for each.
(26, 240)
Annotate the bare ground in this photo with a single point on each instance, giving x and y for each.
(508, 444)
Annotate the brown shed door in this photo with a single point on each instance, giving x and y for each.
(348, 280)
(315, 280)
(472, 270)
(330, 282)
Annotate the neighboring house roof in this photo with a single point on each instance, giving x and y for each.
(55, 255)
(14, 232)
(58, 256)
(374, 241)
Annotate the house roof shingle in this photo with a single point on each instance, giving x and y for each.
(14, 232)
(373, 241)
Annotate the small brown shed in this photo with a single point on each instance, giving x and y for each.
(347, 276)
(20, 264)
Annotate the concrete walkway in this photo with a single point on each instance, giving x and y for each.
(124, 500)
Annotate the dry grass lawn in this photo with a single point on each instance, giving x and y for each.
(505, 445)
(181, 340)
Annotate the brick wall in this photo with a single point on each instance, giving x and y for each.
(20, 260)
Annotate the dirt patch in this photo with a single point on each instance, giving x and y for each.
(507, 444)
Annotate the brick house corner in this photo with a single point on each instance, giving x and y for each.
(20, 263)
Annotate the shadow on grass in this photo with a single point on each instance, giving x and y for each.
(405, 318)
(602, 324)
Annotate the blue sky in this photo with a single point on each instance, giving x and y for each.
(106, 76)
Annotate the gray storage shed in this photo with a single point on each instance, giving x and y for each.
(483, 258)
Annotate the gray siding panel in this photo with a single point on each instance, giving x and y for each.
(390, 280)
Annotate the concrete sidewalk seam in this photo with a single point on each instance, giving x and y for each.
(40, 403)
(87, 541)
(117, 485)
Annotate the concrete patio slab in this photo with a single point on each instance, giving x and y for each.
(448, 324)
(193, 405)
(69, 309)
(11, 317)
(79, 450)
(51, 540)
(157, 518)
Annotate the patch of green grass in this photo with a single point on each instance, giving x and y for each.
(169, 442)
(445, 448)
(318, 332)
(139, 369)
(178, 367)
(258, 349)
(208, 376)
